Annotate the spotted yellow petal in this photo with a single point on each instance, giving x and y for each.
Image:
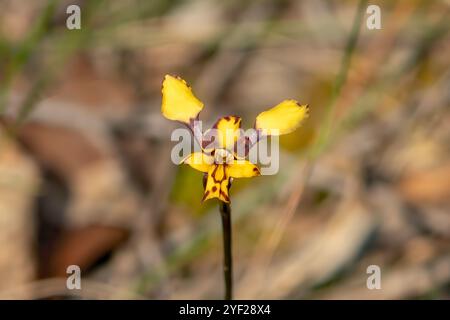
(178, 101)
(283, 118)
(217, 184)
(227, 131)
(199, 161)
(242, 169)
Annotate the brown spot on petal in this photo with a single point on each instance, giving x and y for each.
(214, 189)
(205, 195)
(227, 199)
(205, 179)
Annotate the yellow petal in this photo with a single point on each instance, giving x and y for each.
(242, 169)
(217, 184)
(178, 101)
(199, 161)
(228, 131)
(283, 118)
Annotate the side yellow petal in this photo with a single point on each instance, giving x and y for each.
(199, 161)
(178, 101)
(283, 118)
(217, 184)
(242, 169)
(228, 131)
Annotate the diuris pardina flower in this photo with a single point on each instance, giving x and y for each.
(224, 146)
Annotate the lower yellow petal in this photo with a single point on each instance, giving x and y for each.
(199, 161)
(242, 169)
(217, 184)
(283, 118)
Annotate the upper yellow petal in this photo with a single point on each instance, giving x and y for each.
(228, 131)
(283, 118)
(178, 101)
(199, 161)
(242, 169)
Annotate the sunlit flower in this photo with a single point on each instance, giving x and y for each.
(224, 147)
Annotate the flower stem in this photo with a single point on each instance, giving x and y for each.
(225, 212)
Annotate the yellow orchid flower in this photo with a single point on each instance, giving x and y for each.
(223, 154)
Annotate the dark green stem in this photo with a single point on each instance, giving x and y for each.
(225, 212)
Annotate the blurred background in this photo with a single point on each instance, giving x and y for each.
(85, 171)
